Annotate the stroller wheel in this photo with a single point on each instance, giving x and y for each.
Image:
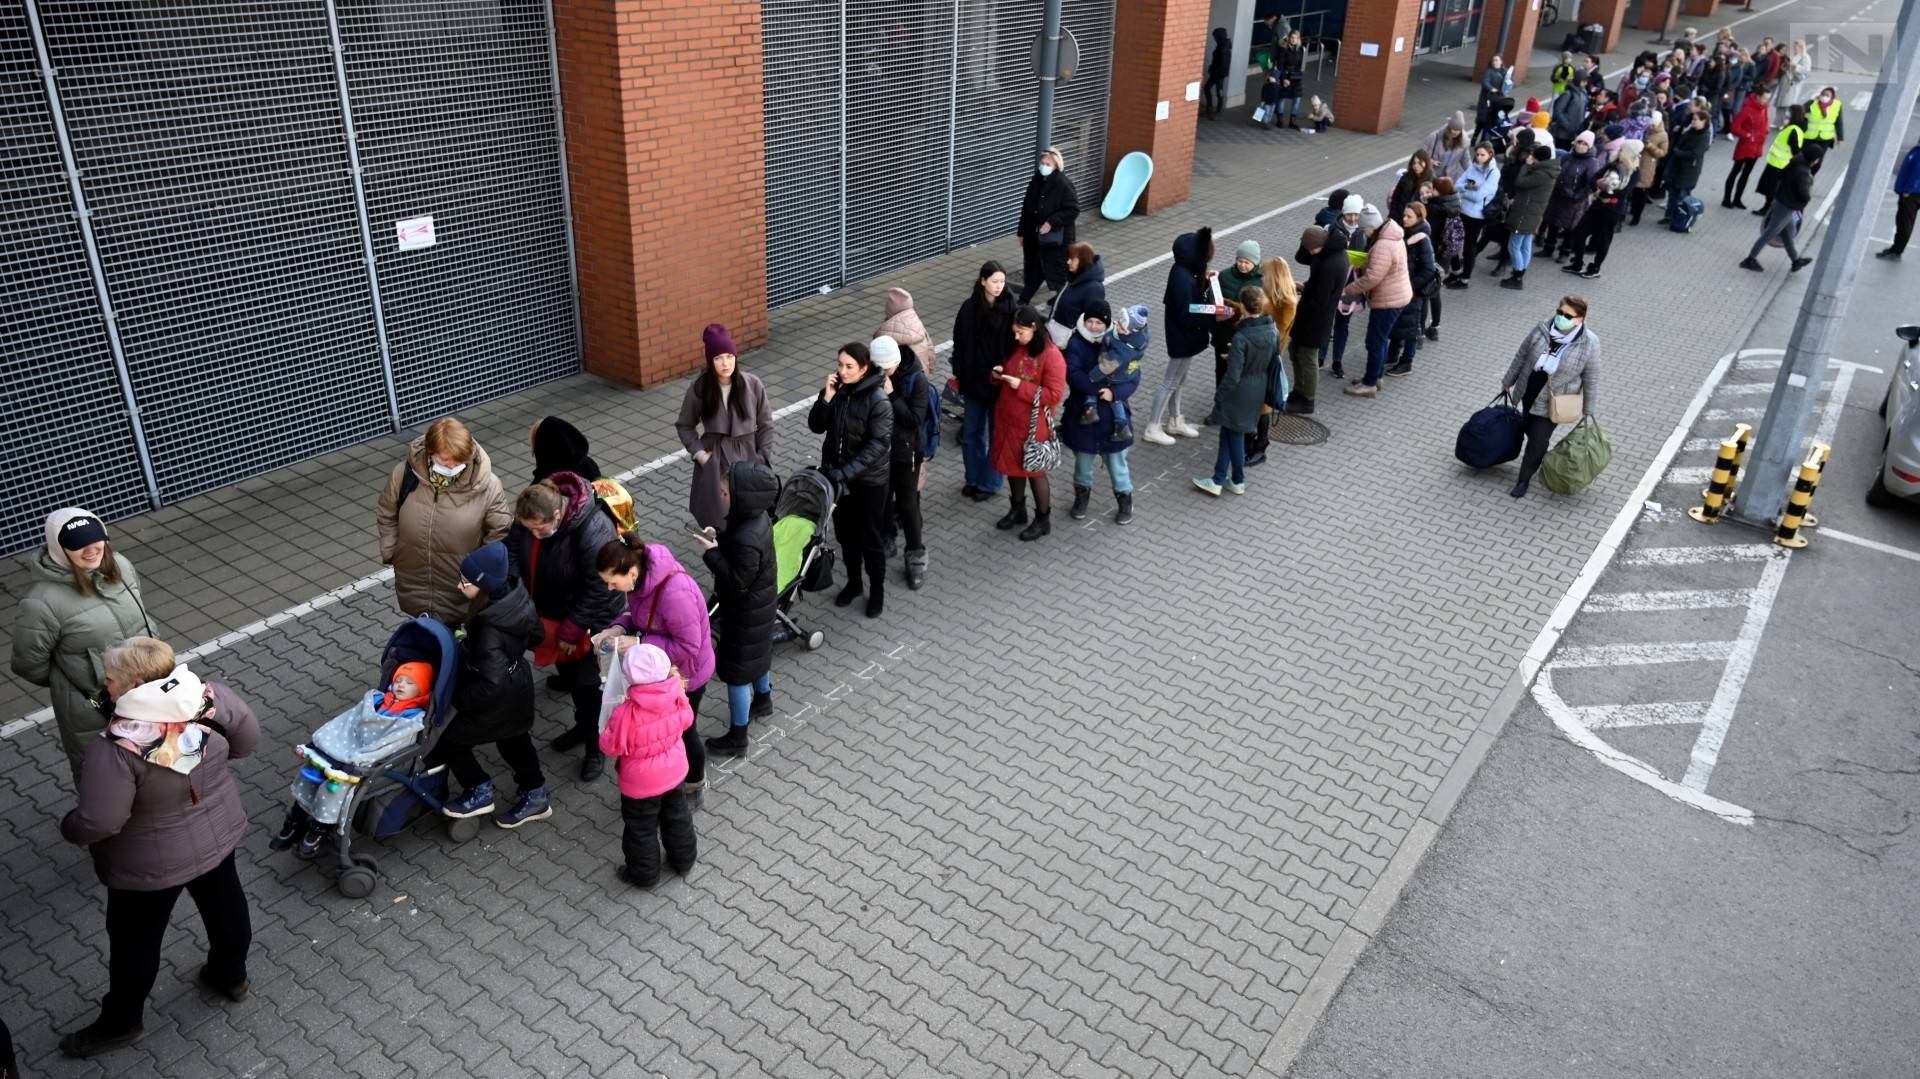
(815, 640)
(356, 882)
(462, 829)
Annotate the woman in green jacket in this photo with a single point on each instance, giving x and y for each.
(84, 600)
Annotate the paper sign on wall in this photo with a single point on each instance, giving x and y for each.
(1163, 110)
(415, 232)
(1399, 44)
(1369, 48)
(1193, 91)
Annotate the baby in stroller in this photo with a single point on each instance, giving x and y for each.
(377, 726)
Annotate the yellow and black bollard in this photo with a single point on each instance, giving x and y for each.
(1708, 513)
(1795, 516)
(1742, 438)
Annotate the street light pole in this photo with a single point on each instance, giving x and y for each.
(1673, 16)
(1783, 431)
(1049, 71)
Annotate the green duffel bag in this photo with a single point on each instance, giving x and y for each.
(1575, 460)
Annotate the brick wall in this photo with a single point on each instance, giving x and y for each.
(1159, 47)
(1371, 91)
(1514, 43)
(666, 157)
(1611, 14)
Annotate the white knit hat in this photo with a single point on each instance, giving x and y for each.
(1353, 205)
(177, 698)
(885, 352)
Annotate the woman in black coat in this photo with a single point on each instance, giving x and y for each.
(856, 420)
(906, 387)
(1325, 256)
(493, 703)
(982, 337)
(746, 584)
(1046, 225)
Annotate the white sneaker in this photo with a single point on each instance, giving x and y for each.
(1180, 426)
(1156, 435)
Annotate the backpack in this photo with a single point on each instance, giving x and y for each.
(1687, 214)
(1454, 237)
(930, 429)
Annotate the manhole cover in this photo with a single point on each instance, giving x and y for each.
(1296, 430)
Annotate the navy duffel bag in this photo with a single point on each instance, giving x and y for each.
(1491, 436)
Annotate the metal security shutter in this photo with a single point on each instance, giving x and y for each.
(66, 440)
(454, 115)
(210, 141)
(801, 47)
(899, 116)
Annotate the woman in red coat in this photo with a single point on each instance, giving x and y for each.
(1750, 127)
(1034, 367)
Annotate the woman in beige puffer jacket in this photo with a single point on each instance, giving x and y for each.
(430, 520)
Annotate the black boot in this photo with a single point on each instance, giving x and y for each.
(95, 1038)
(593, 765)
(876, 583)
(1016, 515)
(846, 596)
(1518, 280)
(1042, 525)
(762, 705)
(1123, 515)
(1519, 488)
(731, 744)
(292, 830)
(916, 567)
(1081, 496)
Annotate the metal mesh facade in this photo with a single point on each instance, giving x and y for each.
(927, 144)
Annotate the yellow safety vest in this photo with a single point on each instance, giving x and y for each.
(1823, 124)
(1784, 146)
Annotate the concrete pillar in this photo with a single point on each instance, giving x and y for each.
(665, 151)
(1515, 42)
(1237, 17)
(1611, 14)
(1371, 90)
(1163, 43)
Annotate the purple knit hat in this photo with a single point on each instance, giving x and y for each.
(717, 340)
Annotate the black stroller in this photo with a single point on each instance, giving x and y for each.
(802, 542)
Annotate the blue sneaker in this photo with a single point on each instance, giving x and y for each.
(477, 800)
(528, 805)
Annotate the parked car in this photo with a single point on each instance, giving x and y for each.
(1899, 476)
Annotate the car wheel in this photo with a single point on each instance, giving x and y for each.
(1877, 495)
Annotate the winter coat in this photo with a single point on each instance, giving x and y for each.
(981, 340)
(1221, 62)
(904, 326)
(1794, 186)
(1440, 210)
(1569, 114)
(1188, 334)
(726, 438)
(1044, 376)
(858, 429)
(1656, 149)
(1423, 259)
(425, 536)
(1485, 184)
(1384, 282)
(644, 735)
(668, 610)
(1314, 318)
(1532, 187)
(1450, 161)
(1689, 154)
(909, 401)
(60, 641)
(494, 697)
(1086, 379)
(1231, 282)
(1243, 388)
(1907, 180)
(1579, 370)
(150, 827)
(1750, 126)
(1049, 200)
(1572, 188)
(1289, 65)
(746, 578)
(558, 446)
(1084, 286)
(559, 571)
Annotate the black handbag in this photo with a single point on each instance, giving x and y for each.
(1055, 238)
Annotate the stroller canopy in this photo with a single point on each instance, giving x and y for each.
(425, 640)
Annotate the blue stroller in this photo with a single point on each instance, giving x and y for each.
(366, 770)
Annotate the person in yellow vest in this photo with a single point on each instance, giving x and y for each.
(1793, 134)
(1823, 120)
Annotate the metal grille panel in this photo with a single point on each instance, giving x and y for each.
(899, 107)
(801, 46)
(65, 439)
(455, 117)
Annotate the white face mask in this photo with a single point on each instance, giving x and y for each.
(443, 470)
(1046, 170)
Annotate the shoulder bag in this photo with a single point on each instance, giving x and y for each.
(1036, 455)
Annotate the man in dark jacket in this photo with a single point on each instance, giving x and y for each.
(1569, 114)
(1219, 66)
(1689, 153)
(1791, 194)
(1188, 334)
(1325, 256)
(1906, 185)
(558, 530)
(746, 584)
(1046, 225)
(906, 387)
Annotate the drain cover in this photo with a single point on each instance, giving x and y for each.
(1296, 430)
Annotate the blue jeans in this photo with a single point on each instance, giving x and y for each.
(1232, 459)
(1117, 470)
(976, 433)
(1340, 326)
(1520, 251)
(1380, 323)
(740, 698)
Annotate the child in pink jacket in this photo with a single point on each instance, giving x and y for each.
(644, 737)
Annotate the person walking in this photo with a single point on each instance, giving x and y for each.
(1219, 66)
(1239, 395)
(1325, 257)
(1531, 187)
(724, 419)
(666, 609)
(982, 337)
(1749, 128)
(1689, 154)
(1102, 373)
(854, 418)
(1086, 282)
(1388, 291)
(1906, 188)
(746, 588)
(84, 599)
(1478, 189)
(1786, 146)
(1033, 382)
(1653, 150)
(1791, 195)
(1047, 213)
(439, 503)
(645, 736)
(1188, 334)
(1558, 358)
(558, 530)
(161, 812)
(907, 395)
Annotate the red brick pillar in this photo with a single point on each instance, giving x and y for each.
(1164, 43)
(1653, 15)
(1371, 91)
(1608, 13)
(1702, 9)
(1515, 43)
(666, 154)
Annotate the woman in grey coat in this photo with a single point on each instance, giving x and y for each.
(724, 419)
(84, 600)
(1559, 358)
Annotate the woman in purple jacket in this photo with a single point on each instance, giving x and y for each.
(665, 608)
(162, 813)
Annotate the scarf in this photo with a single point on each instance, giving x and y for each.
(179, 747)
(1550, 361)
(1091, 338)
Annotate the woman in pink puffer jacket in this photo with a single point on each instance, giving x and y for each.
(644, 735)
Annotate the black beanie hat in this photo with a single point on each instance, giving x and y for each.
(1099, 309)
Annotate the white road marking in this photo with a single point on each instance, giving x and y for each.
(1633, 767)
(1689, 476)
(1724, 415)
(1683, 600)
(1692, 556)
(1646, 714)
(1871, 545)
(1645, 654)
(1752, 389)
(1726, 697)
(1836, 404)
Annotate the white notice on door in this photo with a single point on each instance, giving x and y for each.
(415, 232)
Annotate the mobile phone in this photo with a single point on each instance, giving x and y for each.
(696, 530)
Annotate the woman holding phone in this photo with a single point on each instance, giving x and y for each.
(1033, 374)
(855, 418)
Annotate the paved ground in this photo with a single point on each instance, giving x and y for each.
(1098, 805)
(1572, 915)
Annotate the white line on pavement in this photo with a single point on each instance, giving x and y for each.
(1600, 717)
(1722, 415)
(1871, 545)
(1693, 556)
(1726, 696)
(1642, 654)
(1690, 476)
(1633, 767)
(1680, 600)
